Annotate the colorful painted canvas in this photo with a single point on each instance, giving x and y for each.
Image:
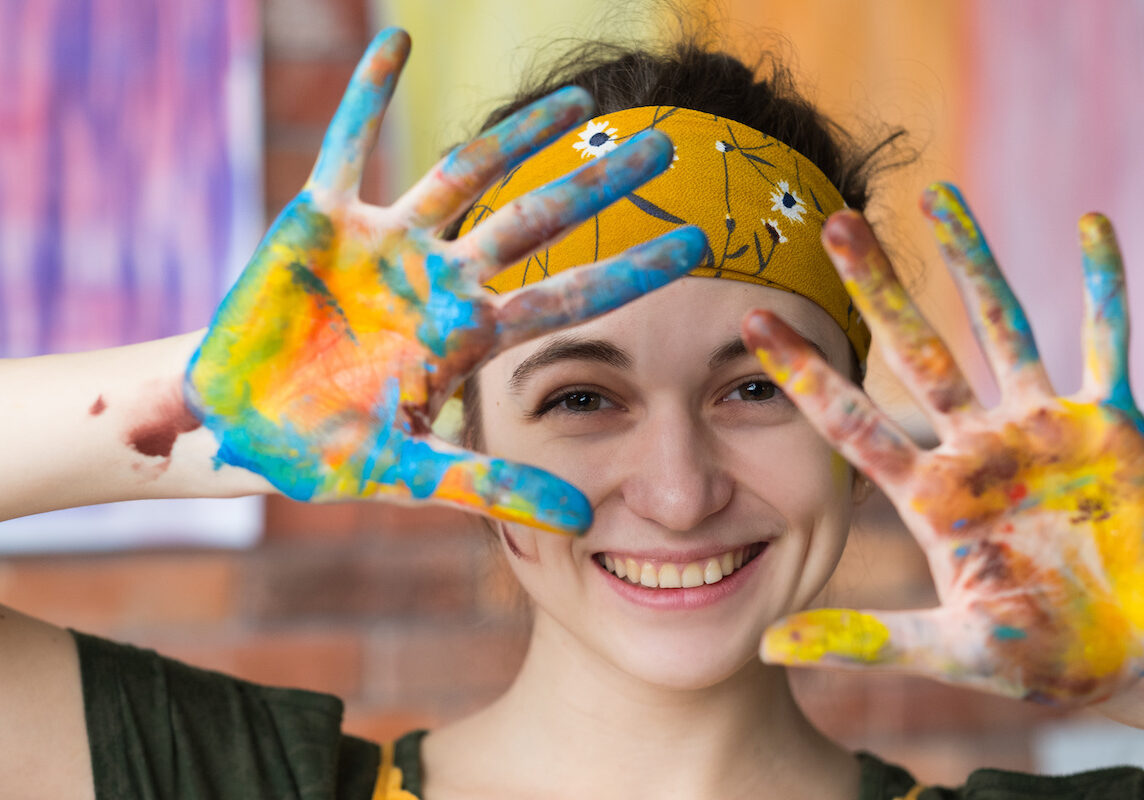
(130, 197)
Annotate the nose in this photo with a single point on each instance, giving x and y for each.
(673, 472)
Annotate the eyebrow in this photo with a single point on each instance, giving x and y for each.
(734, 349)
(569, 348)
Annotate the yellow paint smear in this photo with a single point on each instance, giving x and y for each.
(812, 636)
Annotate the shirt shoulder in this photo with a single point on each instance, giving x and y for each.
(883, 781)
(161, 728)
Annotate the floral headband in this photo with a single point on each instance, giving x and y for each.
(761, 204)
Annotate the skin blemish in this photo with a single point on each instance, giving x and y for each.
(98, 407)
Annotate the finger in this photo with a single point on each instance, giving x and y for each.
(429, 469)
(839, 410)
(912, 348)
(584, 292)
(998, 320)
(353, 131)
(929, 642)
(528, 222)
(457, 179)
(1105, 315)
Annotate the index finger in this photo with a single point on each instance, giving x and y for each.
(353, 129)
(459, 177)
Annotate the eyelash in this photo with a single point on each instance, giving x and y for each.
(553, 402)
(776, 392)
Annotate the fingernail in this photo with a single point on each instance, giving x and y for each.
(846, 231)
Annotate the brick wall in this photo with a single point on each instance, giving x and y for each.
(375, 603)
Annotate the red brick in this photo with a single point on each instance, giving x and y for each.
(304, 93)
(378, 725)
(287, 519)
(323, 661)
(853, 705)
(445, 666)
(303, 27)
(427, 577)
(947, 759)
(106, 594)
(287, 168)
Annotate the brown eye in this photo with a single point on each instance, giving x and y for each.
(756, 391)
(581, 401)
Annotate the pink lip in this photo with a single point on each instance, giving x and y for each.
(682, 599)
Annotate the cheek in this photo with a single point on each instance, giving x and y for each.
(536, 558)
(796, 472)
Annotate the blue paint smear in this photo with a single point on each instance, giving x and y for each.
(1008, 633)
(445, 312)
(962, 551)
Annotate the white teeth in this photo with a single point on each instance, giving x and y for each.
(633, 570)
(679, 576)
(669, 577)
(692, 576)
(649, 577)
(712, 573)
(727, 563)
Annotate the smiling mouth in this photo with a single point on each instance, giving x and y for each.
(679, 576)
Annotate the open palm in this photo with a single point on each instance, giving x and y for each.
(353, 323)
(1031, 513)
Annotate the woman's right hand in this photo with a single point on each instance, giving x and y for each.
(353, 323)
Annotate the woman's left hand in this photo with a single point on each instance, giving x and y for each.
(1031, 513)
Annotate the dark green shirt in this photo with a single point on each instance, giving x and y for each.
(161, 729)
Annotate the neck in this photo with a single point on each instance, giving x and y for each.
(577, 722)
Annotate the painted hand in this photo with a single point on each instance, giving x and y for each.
(352, 324)
(1031, 513)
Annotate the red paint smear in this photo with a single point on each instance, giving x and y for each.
(156, 437)
(98, 407)
(1018, 492)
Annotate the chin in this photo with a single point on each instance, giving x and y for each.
(683, 660)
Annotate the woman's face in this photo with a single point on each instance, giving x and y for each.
(721, 505)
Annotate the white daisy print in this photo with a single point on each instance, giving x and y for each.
(787, 202)
(721, 146)
(596, 140)
(774, 230)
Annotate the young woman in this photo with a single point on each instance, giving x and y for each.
(708, 509)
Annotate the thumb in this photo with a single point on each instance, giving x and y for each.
(910, 641)
(437, 471)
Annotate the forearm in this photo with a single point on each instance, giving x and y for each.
(104, 426)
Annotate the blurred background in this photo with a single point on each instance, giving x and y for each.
(144, 145)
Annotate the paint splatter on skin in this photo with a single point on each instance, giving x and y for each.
(165, 422)
(1031, 513)
(98, 407)
(353, 323)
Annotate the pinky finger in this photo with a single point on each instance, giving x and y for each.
(428, 469)
(838, 409)
(1105, 314)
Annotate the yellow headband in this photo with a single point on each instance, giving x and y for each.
(761, 204)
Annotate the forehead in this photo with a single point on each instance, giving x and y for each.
(689, 320)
